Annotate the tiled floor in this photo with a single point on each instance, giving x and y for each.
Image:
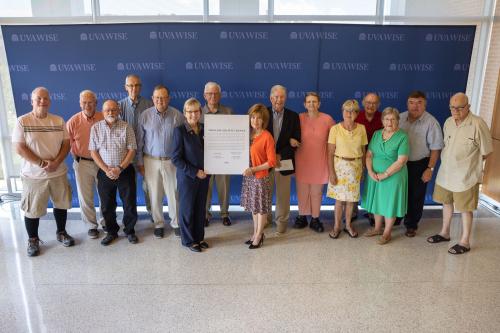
(301, 282)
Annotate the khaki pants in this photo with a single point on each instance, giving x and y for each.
(86, 184)
(282, 212)
(161, 180)
(222, 185)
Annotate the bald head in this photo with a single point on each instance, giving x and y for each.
(459, 107)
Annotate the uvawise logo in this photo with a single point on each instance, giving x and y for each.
(346, 66)
(278, 66)
(140, 66)
(103, 36)
(173, 35)
(449, 37)
(411, 67)
(209, 66)
(244, 35)
(313, 35)
(382, 37)
(34, 38)
(72, 68)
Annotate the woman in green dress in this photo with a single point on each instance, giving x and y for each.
(386, 191)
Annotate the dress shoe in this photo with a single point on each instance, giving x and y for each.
(177, 232)
(93, 233)
(316, 225)
(248, 242)
(159, 232)
(132, 238)
(226, 221)
(108, 239)
(195, 248)
(300, 222)
(410, 232)
(204, 245)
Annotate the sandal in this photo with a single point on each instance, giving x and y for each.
(458, 249)
(351, 232)
(382, 240)
(335, 234)
(372, 232)
(437, 239)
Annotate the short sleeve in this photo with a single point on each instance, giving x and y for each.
(65, 131)
(485, 137)
(92, 139)
(435, 136)
(18, 133)
(364, 137)
(332, 136)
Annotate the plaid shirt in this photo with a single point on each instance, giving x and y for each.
(112, 143)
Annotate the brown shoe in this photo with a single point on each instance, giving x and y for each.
(410, 232)
(372, 232)
(382, 240)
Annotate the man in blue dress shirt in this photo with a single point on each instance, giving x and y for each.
(131, 107)
(155, 132)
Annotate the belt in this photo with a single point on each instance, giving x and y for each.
(348, 158)
(157, 158)
(78, 158)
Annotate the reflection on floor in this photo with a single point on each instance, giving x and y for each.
(300, 282)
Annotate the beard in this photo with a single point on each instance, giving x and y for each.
(110, 119)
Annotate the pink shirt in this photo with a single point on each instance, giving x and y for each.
(311, 163)
(79, 132)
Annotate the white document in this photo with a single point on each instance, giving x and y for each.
(285, 165)
(227, 144)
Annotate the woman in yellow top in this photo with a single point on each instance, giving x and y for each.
(346, 151)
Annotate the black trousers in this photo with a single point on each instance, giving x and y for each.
(192, 200)
(416, 192)
(125, 184)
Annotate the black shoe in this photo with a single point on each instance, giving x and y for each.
(65, 239)
(132, 238)
(204, 245)
(33, 247)
(177, 232)
(226, 221)
(248, 242)
(398, 220)
(300, 222)
(108, 239)
(93, 233)
(261, 242)
(195, 248)
(207, 221)
(316, 225)
(159, 232)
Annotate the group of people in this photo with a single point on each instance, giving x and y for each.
(383, 158)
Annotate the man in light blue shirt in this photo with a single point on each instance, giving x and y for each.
(155, 130)
(426, 142)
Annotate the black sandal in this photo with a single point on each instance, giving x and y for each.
(437, 239)
(458, 249)
(335, 235)
(351, 233)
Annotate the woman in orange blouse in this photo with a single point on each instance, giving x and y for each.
(256, 195)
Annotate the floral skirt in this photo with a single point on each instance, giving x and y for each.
(348, 180)
(256, 196)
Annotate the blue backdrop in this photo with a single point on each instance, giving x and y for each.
(338, 61)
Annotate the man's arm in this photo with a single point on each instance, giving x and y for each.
(26, 153)
(427, 175)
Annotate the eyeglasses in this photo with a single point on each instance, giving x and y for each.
(133, 85)
(191, 112)
(458, 108)
(212, 93)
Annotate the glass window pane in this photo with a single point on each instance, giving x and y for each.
(325, 7)
(238, 7)
(45, 8)
(151, 7)
(433, 7)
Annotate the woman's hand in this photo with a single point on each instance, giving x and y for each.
(373, 175)
(248, 172)
(333, 179)
(201, 174)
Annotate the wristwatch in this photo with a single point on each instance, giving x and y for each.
(120, 167)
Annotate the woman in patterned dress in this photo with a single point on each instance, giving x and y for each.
(256, 195)
(346, 151)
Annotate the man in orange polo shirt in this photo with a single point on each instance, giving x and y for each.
(85, 169)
